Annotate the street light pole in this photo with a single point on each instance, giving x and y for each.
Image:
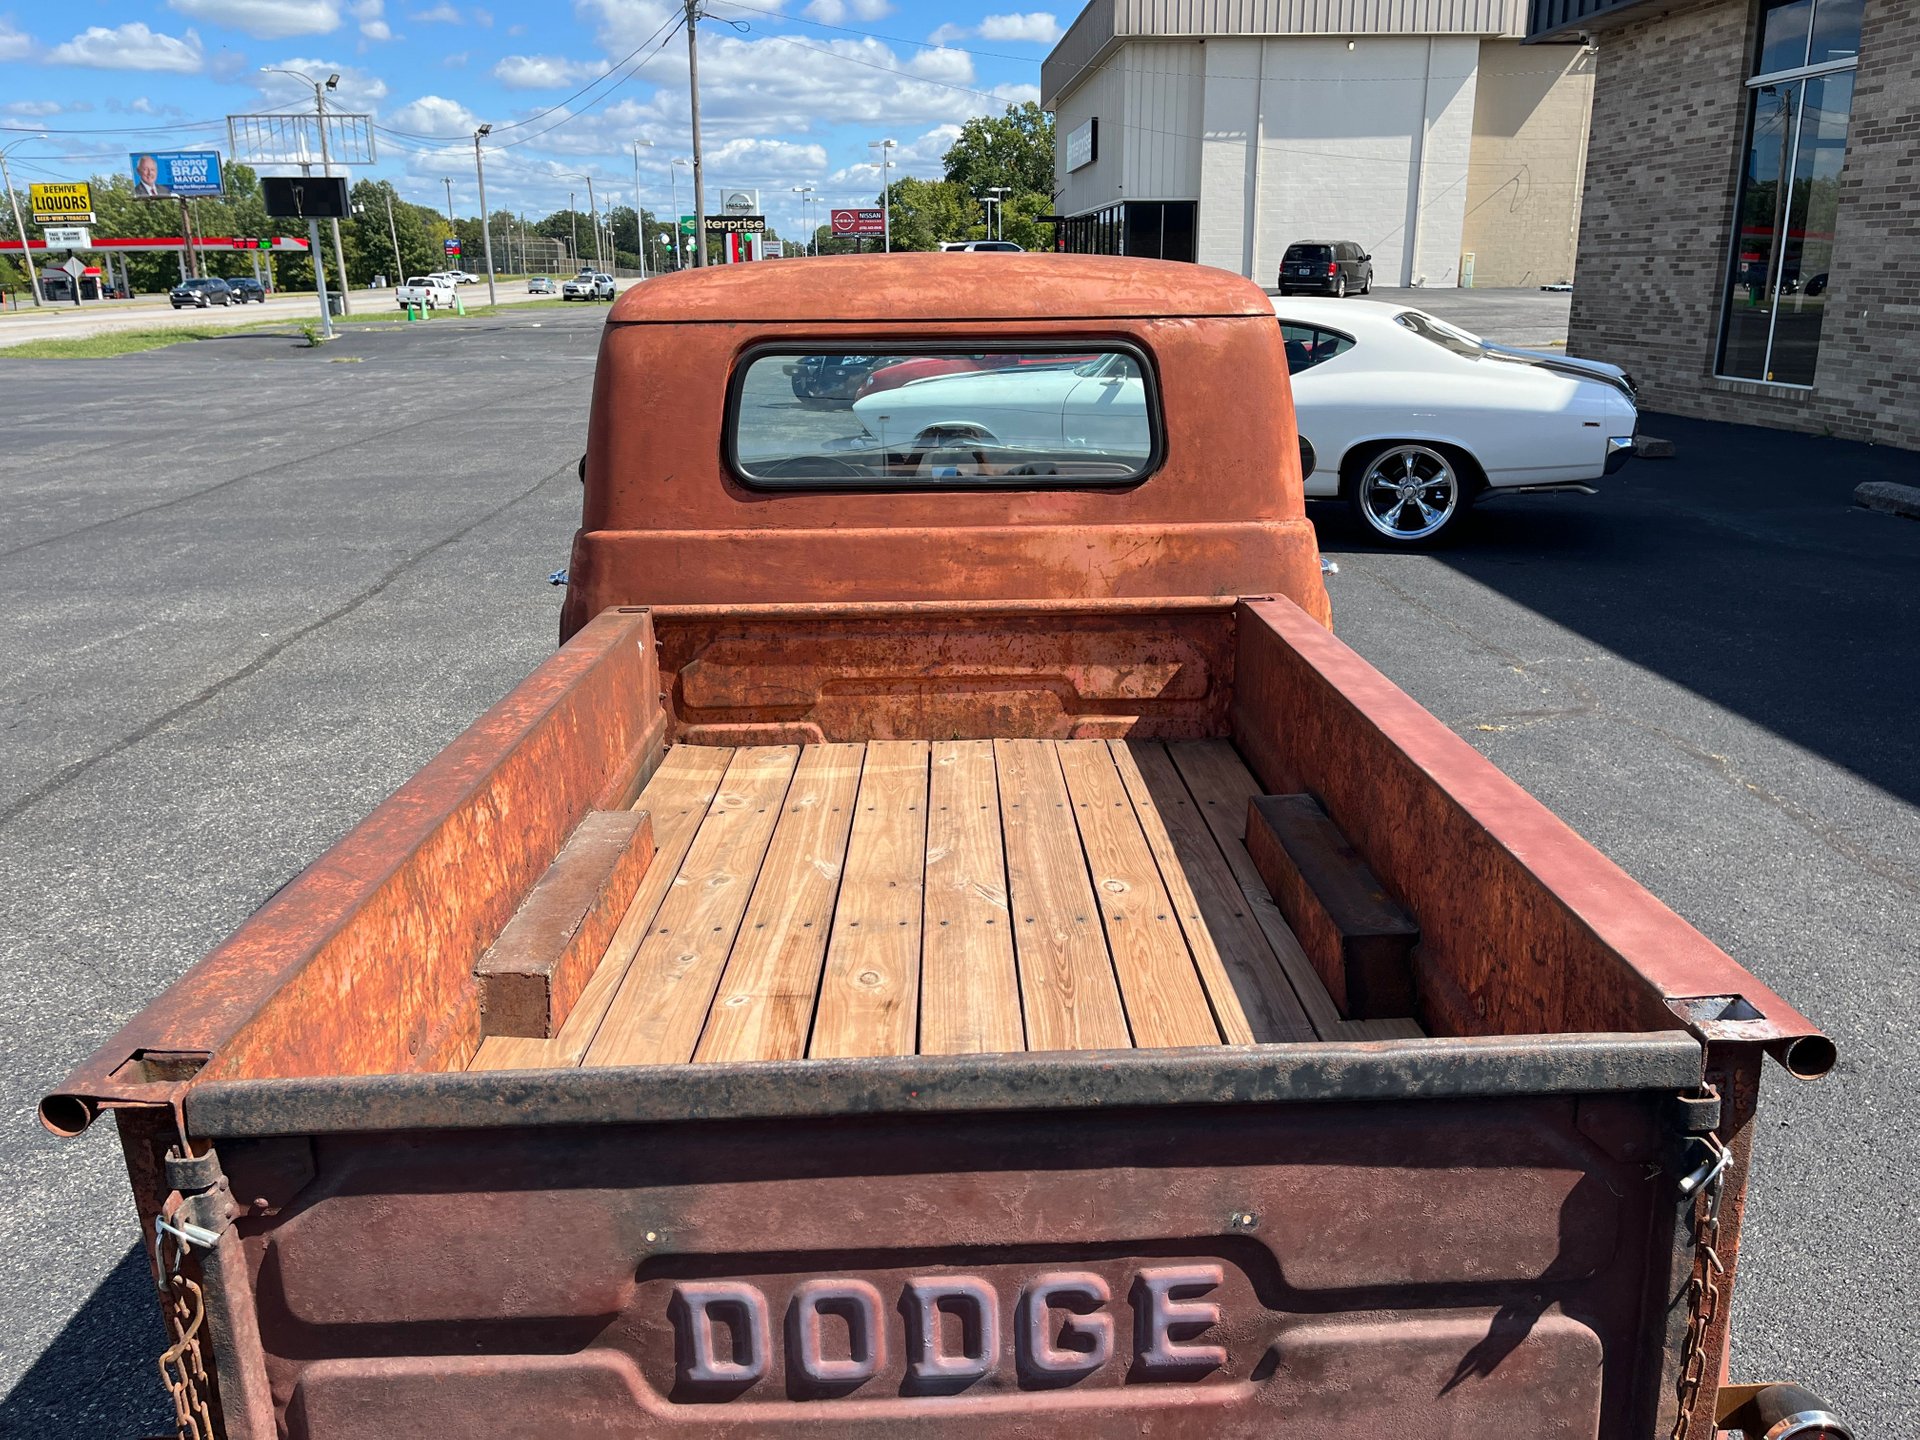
(26, 255)
(486, 230)
(400, 272)
(805, 192)
(326, 168)
(593, 223)
(997, 217)
(885, 147)
(673, 180)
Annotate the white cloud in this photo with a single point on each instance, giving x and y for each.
(434, 115)
(376, 29)
(372, 17)
(947, 34)
(441, 14)
(457, 60)
(835, 12)
(543, 72)
(483, 18)
(32, 109)
(131, 47)
(265, 19)
(953, 66)
(13, 44)
(1037, 27)
(358, 90)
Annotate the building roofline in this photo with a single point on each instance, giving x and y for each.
(1565, 19)
(1106, 24)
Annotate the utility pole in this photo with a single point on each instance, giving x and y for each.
(486, 229)
(699, 175)
(326, 168)
(573, 229)
(399, 270)
(26, 255)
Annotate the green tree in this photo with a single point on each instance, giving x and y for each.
(1013, 152)
(927, 213)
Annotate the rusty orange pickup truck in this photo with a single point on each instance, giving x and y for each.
(952, 945)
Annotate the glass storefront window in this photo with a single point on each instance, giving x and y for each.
(1776, 292)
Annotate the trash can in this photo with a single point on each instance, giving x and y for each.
(337, 304)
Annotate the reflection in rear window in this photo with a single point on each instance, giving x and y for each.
(946, 420)
(1298, 253)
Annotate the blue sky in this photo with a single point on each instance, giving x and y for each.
(791, 91)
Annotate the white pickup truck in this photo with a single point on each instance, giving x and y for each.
(428, 291)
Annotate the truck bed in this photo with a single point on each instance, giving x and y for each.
(901, 897)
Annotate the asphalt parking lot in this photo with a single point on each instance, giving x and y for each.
(249, 588)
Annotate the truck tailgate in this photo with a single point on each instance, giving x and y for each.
(1423, 1238)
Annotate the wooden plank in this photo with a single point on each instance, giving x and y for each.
(1396, 1028)
(1209, 899)
(1068, 993)
(764, 1007)
(969, 985)
(677, 797)
(1359, 939)
(1221, 786)
(870, 989)
(661, 1007)
(534, 971)
(1159, 984)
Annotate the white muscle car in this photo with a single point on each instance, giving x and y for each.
(1411, 419)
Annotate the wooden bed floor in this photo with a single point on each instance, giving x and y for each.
(945, 897)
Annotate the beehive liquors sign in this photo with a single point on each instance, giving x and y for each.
(62, 202)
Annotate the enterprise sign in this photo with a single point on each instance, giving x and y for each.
(736, 224)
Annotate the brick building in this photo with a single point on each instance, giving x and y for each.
(1223, 130)
(1750, 237)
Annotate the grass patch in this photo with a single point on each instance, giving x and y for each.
(115, 342)
(395, 315)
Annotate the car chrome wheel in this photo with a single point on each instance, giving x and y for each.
(1340, 288)
(1409, 492)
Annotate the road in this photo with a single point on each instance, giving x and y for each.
(99, 317)
(224, 645)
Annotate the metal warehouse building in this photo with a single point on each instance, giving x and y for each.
(1222, 130)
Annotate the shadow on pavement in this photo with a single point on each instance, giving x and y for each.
(1740, 570)
(98, 1377)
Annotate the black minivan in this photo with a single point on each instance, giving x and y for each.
(1325, 267)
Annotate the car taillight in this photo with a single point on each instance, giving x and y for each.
(1333, 267)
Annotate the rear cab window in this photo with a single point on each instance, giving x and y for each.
(987, 417)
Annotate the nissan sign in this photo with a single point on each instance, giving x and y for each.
(857, 222)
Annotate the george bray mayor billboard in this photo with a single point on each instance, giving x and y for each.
(177, 174)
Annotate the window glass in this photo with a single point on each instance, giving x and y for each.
(945, 420)
(1789, 196)
(1836, 31)
(1449, 337)
(1784, 27)
(1308, 346)
(1307, 254)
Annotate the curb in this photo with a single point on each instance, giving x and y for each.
(1885, 495)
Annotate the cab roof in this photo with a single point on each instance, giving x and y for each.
(941, 286)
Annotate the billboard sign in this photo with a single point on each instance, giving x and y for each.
(1083, 144)
(175, 174)
(736, 224)
(453, 246)
(62, 202)
(68, 237)
(740, 202)
(305, 197)
(686, 226)
(857, 222)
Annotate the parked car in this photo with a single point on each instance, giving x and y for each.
(588, 285)
(430, 291)
(542, 285)
(247, 288)
(464, 277)
(1325, 267)
(922, 367)
(1002, 246)
(1411, 419)
(1096, 410)
(833, 381)
(201, 294)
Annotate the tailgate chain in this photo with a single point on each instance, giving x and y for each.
(188, 1218)
(1702, 1188)
(183, 1368)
